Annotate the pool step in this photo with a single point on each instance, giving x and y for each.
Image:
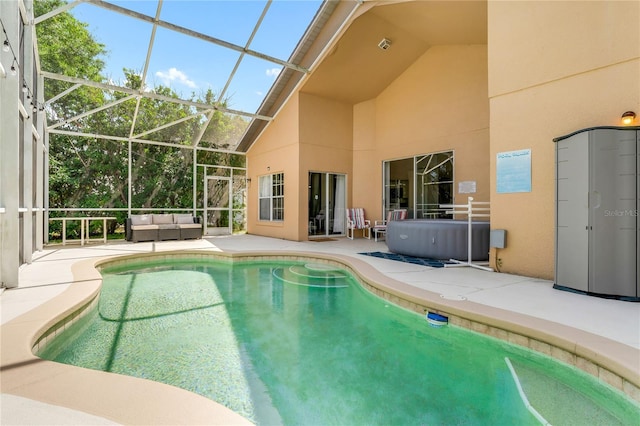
(312, 275)
(554, 402)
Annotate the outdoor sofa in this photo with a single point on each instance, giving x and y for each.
(159, 227)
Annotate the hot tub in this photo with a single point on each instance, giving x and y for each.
(438, 239)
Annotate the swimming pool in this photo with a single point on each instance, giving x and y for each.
(302, 343)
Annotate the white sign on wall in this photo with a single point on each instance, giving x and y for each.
(513, 171)
(467, 187)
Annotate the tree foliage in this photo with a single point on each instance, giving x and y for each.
(67, 47)
(93, 172)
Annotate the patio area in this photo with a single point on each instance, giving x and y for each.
(527, 301)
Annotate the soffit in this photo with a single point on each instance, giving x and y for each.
(356, 69)
(330, 18)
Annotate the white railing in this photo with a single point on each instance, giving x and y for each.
(84, 227)
(473, 209)
(22, 210)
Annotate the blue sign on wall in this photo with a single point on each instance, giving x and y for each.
(513, 171)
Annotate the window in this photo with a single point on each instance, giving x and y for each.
(420, 184)
(271, 197)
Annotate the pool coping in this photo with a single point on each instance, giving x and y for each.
(130, 400)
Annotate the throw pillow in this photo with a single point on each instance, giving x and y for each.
(162, 219)
(140, 219)
(185, 219)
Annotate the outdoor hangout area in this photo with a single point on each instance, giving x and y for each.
(240, 182)
(157, 227)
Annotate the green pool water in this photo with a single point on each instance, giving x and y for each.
(304, 344)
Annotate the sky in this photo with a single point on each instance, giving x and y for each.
(190, 65)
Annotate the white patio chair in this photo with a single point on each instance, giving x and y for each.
(380, 226)
(356, 220)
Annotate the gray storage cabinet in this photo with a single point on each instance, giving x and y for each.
(597, 205)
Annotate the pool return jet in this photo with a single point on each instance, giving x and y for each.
(471, 209)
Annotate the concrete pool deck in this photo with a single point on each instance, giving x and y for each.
(595, 326)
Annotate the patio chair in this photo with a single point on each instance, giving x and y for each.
(380, 226)
(357, 220)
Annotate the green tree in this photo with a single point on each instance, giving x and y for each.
(67, 47)
(88, 172)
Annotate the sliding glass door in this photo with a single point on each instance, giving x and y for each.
(327, 197)
(434, 184)
(419, 184)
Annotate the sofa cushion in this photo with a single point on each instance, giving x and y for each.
(144, 227)
(190, 225)
(182, 218)
(168, 226)
(140, 219)
(162, 219)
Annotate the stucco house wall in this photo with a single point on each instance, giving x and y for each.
(438, 104)
(554, 67)
(310, 134)
(277, 152)
(549, 68)
(326, 145)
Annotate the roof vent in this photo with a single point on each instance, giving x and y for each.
(384, 44)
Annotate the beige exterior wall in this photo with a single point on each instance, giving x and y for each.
(554, 67)
(367, 167)
(440, 103)
(326, 128)
(309, 134)
(550, 68)
(277, 152)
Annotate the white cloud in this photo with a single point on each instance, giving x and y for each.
(273, 72)
(174, 75)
